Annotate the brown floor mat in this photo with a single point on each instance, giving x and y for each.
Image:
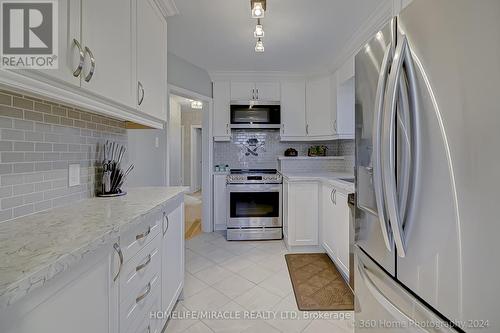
(317, 284)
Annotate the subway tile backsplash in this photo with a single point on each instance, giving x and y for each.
(259, 149)
(38, 141)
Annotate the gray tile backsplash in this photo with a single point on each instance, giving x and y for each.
(254, 149)
(38, 141)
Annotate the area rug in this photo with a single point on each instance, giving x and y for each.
(317, 284)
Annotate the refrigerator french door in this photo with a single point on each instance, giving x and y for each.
(427, 179)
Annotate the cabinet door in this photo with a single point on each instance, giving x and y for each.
(69, 15)
(267, 91)
(106, 31)
(220, 202)
(303, 213)
(82, 300)
(328, 231)
(341, 238)
(344, 122)
(286, 230)
(242, 91)
(221, 130)
(318, 109)
(151, 60)
(293, 109)
(172, 257)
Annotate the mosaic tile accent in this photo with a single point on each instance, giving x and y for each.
(38, 140)
(259, 149)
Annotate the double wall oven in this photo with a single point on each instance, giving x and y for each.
(254, 205)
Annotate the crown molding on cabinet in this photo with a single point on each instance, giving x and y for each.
(167, 7)
(374, 23)
(253, 75)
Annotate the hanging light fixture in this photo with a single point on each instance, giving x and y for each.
(259, 46)
(196, 105)
(258, 8)
(259, 30)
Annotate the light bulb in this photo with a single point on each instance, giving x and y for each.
(197, 105)
(257, 10)
(259, 46)
(259, 31)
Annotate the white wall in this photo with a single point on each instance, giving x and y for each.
(185, 75)
(149, 160)
(189, 118)
(174, 135)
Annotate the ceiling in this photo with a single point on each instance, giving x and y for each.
(302, 36)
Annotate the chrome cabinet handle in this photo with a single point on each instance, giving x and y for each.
(307, 129)
(227, 129)
(120, 255)
(143, 265)
(335, 125)
(377, 155)
(253, 94)
(333, 196)
(257, 93)
(78, 70)
(397, 213)
(145, 234)
(166, 219)
(283, 128)
(92, 65)
(140, 93)
(146, 293)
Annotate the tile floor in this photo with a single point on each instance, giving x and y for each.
(248, 284)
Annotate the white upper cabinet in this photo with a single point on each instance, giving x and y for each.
(267, 91)
(70, 58)
(318, 108)
(242, 91)
(221, 118)
(251, 91)
(107, 43)
(344, 112)
(293, 110)
(151, 85)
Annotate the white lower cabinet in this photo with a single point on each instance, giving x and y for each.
(84, 299)
(220, 202)
(172, 265)
(335, 226)
(115, 289)
(301, 214)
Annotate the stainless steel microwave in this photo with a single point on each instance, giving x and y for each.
(254, 115)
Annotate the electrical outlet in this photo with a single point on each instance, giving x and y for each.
(74, 175)
(157, 142)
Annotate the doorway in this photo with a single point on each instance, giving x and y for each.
(186, 155)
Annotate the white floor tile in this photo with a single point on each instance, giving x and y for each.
(233, 286)
(192, 285)
(289, 319)
(279, 284)
(235, 325)
(208, 299)
(258, 299)
(199, 327)
(325, 326)
(178, 323)
(236, 264)
(260, 327)
(197, 263)
(219, 255)
(255, 273)
(213, 274)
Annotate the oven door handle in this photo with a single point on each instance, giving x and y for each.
(254, 187)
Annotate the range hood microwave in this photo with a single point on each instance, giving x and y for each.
(252, 114)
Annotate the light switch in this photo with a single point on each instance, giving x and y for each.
(157, 142)
(74, 175)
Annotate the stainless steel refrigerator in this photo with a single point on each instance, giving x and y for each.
(428, 171)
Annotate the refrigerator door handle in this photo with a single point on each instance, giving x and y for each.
(398, 215)
(377, 156)
(396, 312)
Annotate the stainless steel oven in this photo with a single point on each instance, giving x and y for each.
(254, 206)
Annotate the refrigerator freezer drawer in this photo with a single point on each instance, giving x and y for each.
(382, 305)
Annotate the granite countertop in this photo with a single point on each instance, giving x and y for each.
(36, 248)
(332, 178)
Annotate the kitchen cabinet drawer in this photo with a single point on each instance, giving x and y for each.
(134, 240)
(139, 306)
(138, 271)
